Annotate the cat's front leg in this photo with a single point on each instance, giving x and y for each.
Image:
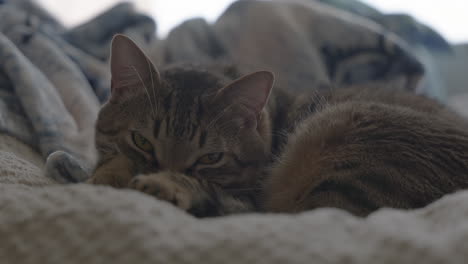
(114, 172)
(189, 194)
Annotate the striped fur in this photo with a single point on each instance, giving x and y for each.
(370, 148)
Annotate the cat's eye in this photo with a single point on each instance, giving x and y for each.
(141, 142)
(211, 158)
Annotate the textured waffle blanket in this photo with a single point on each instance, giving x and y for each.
(53, 80)
(42, 222)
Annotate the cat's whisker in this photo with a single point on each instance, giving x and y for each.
(117, 147)
(225, 110)
(218, 116)
(275, 157)
(146, 90)
(319, 101)
(152, 86)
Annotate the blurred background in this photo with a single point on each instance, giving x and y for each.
(448, 17)
(447, 72)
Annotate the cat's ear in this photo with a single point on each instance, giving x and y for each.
(131, 70)
(250, 91)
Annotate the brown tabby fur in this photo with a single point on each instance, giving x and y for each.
(358, 149)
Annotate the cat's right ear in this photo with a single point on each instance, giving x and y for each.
(251, 92)
(131, 70)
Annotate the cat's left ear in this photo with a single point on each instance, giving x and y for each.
(250, 91)
(131, 70)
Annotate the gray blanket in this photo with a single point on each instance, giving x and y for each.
(53, 79)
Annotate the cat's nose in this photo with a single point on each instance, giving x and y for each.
(176, 164)
(172, 168)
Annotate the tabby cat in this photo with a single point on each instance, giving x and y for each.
(213, 143)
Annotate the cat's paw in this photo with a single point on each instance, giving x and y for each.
(162, 188)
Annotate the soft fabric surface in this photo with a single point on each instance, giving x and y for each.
(42, 222)
(53, 79)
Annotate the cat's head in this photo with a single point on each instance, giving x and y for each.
(184, 119)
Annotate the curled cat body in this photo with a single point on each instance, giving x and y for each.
(213, 143)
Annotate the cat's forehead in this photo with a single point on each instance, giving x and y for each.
(183, 81)
(180, 109)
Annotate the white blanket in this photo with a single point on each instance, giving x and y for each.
(43, 222)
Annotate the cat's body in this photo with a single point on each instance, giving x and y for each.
(367, 149)
(213, 144)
